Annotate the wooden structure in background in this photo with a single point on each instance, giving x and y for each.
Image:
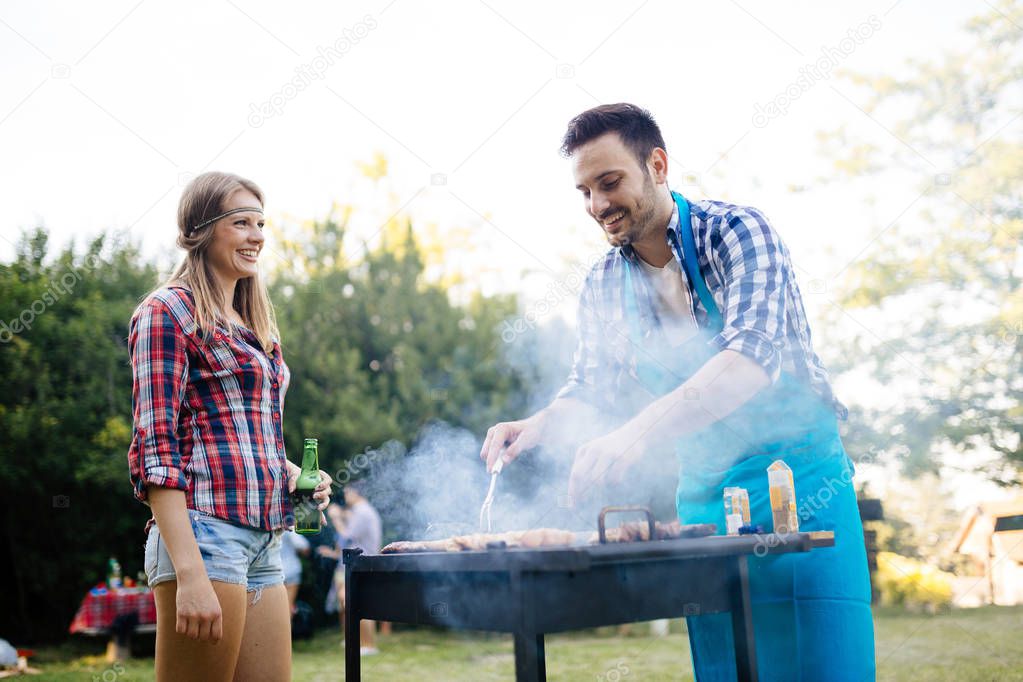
(992, 536)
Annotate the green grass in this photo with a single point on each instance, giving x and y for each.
(976, 644)
(967, 645)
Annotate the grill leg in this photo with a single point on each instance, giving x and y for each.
(529, 658)
(353, 661)
(742, 623)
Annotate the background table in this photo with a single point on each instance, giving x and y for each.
(98, 615)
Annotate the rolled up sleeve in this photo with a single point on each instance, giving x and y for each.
(754, 266)
(159, 364)
(582, 383)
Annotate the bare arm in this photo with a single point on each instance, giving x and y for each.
(329, 552)
(159, 361)
(720, 387)
(198, 609)
(558, 422)
(569, 419)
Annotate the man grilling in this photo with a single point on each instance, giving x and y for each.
(692, 332)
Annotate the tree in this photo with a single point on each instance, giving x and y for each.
(65, 416)
(377, 352)
(957, 267)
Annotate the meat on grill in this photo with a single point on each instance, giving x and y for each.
(550, 537)
(634, 531)
(537, 537)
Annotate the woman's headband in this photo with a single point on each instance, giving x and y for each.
(222, 215)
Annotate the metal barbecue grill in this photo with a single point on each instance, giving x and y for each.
(531, 592)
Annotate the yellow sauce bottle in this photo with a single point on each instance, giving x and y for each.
(783, 497)
(736, 509)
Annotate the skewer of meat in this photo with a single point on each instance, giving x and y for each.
(549, 537)
(536, 537)
(637, 531)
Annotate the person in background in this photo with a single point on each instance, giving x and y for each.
(207, 452)
(334, 602)
(292, 544)
(359, 526)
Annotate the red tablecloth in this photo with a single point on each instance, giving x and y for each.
(98, 611)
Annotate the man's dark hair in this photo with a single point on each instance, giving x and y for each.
(634, 125)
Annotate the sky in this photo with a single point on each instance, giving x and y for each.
(108, 109)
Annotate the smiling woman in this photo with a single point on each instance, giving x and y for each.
(208, 448)
(220, 226)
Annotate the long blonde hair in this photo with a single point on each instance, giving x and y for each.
(203, 199)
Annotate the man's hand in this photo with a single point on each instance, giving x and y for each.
(513, 438)
(605, 460)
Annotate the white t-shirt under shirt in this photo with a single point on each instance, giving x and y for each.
(364, 528)
(671, 299)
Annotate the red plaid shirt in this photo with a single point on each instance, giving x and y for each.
(207, 416)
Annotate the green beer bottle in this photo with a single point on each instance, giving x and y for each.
(307, 516)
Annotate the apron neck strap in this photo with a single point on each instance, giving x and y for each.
(691, 263)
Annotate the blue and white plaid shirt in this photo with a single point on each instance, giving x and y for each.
(749, 273)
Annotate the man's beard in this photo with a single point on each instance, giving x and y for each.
(640, 223)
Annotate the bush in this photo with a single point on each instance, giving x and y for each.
(912, 584)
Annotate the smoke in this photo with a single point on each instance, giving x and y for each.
(434, 488)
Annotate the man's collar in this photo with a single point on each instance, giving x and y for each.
(673, 221)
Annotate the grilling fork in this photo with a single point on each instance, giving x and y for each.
(489, 501)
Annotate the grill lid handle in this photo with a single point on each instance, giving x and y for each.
(602, 529)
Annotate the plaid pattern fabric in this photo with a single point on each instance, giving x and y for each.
(749, 273)
(207, 415)
(98, 611)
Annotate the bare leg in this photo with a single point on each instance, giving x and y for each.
(266, 645)
(368, 634)
(181, 658)
(340, 585)
(292, 596)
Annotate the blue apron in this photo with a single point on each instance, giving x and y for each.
(811, 611)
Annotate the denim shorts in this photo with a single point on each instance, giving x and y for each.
(232, 554)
